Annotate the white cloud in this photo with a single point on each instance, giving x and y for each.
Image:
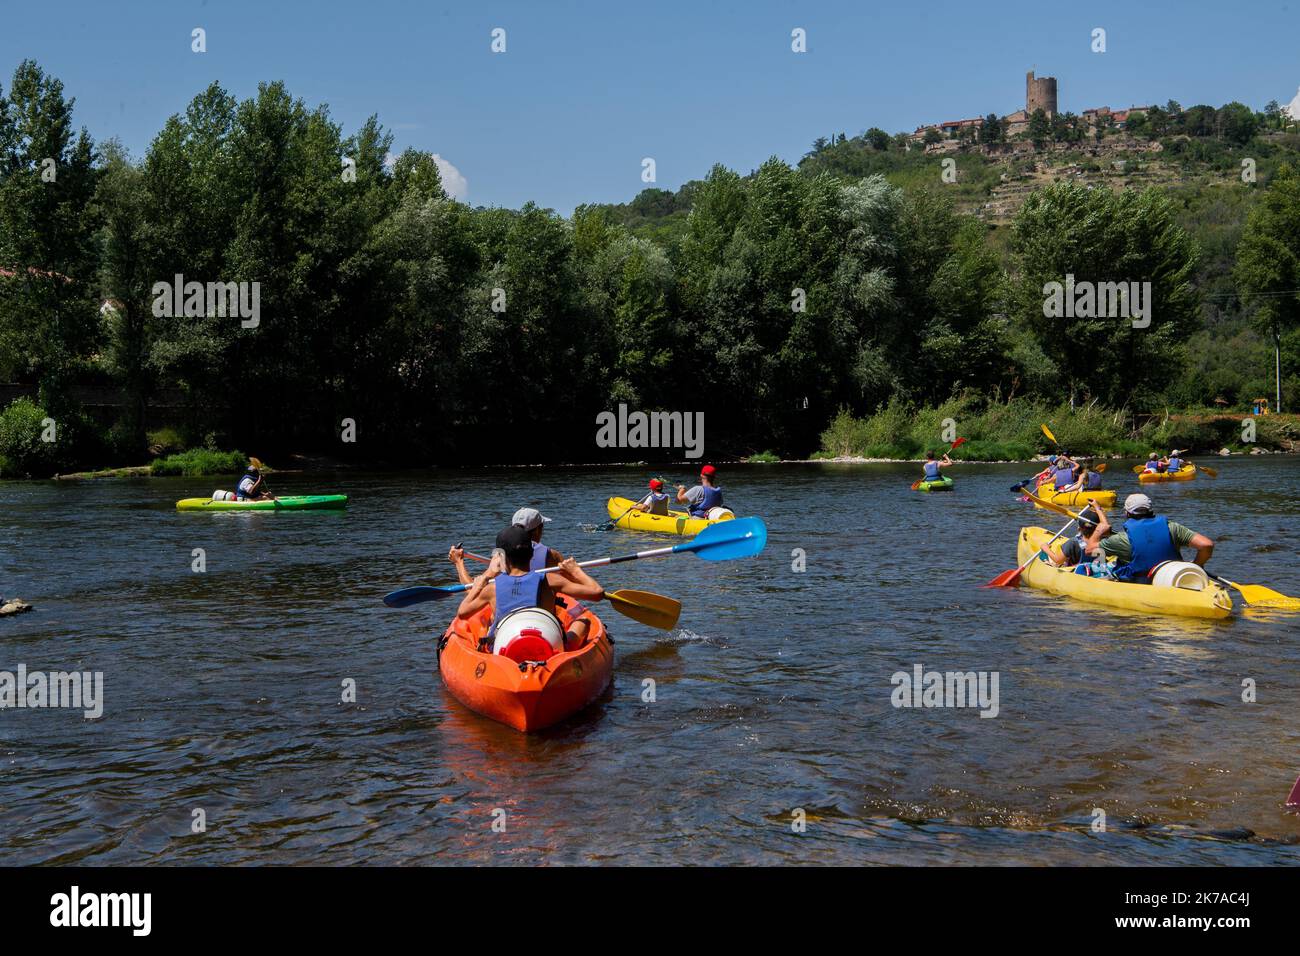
(453, 180)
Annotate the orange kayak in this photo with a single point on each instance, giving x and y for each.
(527, 696)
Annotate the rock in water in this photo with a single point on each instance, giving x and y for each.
(13, 606)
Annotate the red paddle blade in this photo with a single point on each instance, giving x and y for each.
(1007, 579)
(959, 441)
(1294, 799)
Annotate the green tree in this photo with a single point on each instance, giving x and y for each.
(1268, 262)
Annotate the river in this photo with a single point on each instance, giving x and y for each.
(224, 711)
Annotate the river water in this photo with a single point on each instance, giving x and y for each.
(224, 710)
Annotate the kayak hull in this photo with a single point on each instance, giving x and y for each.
(1214, 602)
(536, 697)
(943, 484)
(1077, 499)
(1186, 473)
(287, 503)
(675, 522)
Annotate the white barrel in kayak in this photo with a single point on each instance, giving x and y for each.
(223, 496)
(716, 514)
(1180, 574)
(528, 634)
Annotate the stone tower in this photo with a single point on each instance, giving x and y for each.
(1040, 94)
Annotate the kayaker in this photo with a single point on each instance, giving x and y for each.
(508, 585)
(532, 520)
(1173, 462)
(1073, 552)
(1062, 476)
(931, 470)
(655, 503)
(252, 487)
(1147, 540)
(1154, 463)
(705, 496)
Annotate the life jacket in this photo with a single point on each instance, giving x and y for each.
(540, 555)
(1151, 544)
(1094, 480)
(239, 485)
(657, 501)
(1153, 466)
(932, 471)
(515, 591)
(1175, 464)
(712, 499)
(1063, 476)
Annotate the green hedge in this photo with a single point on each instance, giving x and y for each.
(199, 461)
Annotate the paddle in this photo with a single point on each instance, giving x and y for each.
(1258, 594)
(1048, 432)
(739, 538)
(1009, 579)
(960, 441)
(610, 525)
(1294, 799)
(646, 607)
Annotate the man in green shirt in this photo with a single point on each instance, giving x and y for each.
(1146, 541)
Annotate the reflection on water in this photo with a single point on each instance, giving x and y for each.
(224, 689)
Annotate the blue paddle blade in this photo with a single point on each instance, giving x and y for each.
(728, 540)
(405, 597)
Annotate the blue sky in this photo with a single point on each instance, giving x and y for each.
(585, 90)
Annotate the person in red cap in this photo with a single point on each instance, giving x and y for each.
(705, 496)
(655, 503)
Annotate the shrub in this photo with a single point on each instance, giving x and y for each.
(763, 458)
(23, 453)
(197, 462)
(165, 441)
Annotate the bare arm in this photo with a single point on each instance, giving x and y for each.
(1100, 532)
(1204, 548)
(457, 557)
(574, 582)
(479, 595)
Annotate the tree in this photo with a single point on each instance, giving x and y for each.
(1268, 262)
(1237, 123)
(992, 131)
(932, 136)
(1039, 129)
(877, 138)
(49, 321)
(1097, 236)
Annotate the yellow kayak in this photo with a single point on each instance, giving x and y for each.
(1077, 499)
(1213, 602)
(1185, 473)
(675, 522)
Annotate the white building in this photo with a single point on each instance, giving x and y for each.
(1292, 109)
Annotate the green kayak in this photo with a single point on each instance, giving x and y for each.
(942, 484)
(287, 503)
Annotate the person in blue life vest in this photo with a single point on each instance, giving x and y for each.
(704, 497)
(1154, 463)
(1173, 462)
(1084, 478)
(1062, 473)
(508, 584)
(531, 520)
(252, 486)
(931, 470)
(1148, 539)
(655, 503)
(1073, 552)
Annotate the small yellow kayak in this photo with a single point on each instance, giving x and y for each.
(1212, 602)
(1076, 499)
(1185, 473)
(675, 522)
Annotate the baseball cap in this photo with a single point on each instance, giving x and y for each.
(708, 470)
(1088, 516)
(516, 543)
(1134, 504)
(655, 484)
(530, 519)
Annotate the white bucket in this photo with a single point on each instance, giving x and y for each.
(716, 514)
(524, 634)
(1180, 574)
(223, 496)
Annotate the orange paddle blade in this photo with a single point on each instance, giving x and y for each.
(1007, 579)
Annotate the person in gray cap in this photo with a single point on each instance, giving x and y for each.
(532, 520)
(1148, 539)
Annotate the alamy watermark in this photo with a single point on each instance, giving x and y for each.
(922, 688)
(651, 430)
(194, 300)
(1098, 300)
(76, 690)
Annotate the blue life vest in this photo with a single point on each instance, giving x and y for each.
(540, 553)
(515, 591)
(1094, 480)
(712, 499)
(239, 491)
(1151, 544)
(1063, 476)
(657, 501)
(932, 471)
(1153, 466)
(1175, 464)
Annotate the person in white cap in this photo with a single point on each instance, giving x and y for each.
(1148, 539)
(532, 520)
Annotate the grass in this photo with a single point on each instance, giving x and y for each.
(763, 458)
(199, 461)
